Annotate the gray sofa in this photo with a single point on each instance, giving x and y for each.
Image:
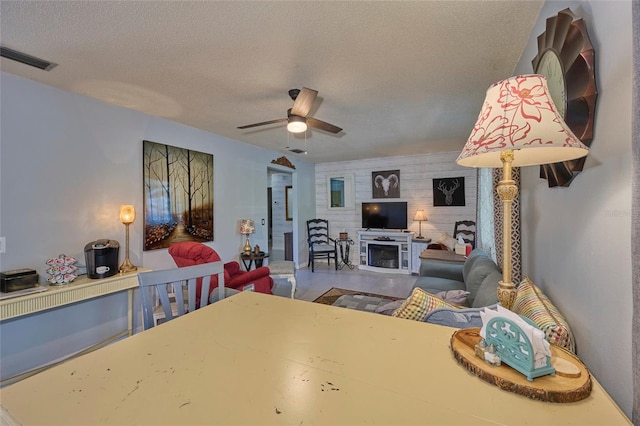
(479, 275)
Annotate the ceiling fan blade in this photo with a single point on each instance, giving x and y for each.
(304, 101)
(264, 123)
(322, 125)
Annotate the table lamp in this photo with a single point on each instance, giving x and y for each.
(518, 125)
(246, 228)
(420, 216)
(127, 216)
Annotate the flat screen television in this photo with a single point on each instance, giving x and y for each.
(385, 215)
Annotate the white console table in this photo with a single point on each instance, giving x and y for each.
(400, 242)
(79, 290)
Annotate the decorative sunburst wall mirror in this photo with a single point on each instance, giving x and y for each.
(566, 58)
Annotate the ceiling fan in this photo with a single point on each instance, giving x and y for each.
(297, 119)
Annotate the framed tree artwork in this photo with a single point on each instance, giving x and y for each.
(385, 184)
(178, 195)
(448, 192)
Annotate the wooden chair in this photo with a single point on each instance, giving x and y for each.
(466, 229)
(171, 285)
(320, 244)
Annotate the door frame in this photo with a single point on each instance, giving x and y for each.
(293, 200)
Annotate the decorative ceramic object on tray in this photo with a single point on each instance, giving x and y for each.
(61, 270)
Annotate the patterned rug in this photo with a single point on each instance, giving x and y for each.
(330, 297)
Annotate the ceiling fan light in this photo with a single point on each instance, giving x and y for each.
(297, 124)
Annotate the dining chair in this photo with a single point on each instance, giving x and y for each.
(321, 245)
(168, 288)
(467, 230)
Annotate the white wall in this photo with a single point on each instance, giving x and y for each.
(67, 163)
(576, 240)
(416, 174)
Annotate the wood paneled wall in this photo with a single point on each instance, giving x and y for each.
(416, 187)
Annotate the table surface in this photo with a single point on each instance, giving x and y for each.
(243, 361)
(442, 255)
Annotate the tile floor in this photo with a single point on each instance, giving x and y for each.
(310, 285)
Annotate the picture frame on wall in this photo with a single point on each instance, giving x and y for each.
(178, 195)
(448, 192)
(385, 184)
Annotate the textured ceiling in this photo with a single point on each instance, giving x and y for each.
(399, 77)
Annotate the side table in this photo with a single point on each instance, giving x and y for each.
(249, 258)
(343, 245)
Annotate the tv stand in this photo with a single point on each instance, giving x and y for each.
(385, 251)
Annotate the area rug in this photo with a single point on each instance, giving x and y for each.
(330, 296)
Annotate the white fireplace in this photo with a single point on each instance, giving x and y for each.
(385, 251)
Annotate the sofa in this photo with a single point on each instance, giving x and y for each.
(477, 278)
(436, 299)
(451, 293)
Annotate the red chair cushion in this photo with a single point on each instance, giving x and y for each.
(190, 253)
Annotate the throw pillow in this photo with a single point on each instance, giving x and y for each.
(457, 297)
(533, 304)
(419, 304)
(389, 308)
(448, 241)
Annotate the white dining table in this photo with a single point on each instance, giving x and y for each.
(260, 359)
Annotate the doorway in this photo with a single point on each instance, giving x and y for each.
(280, 214)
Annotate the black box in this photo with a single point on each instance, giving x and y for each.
(18, 279)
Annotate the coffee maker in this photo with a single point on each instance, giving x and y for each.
(101, 257)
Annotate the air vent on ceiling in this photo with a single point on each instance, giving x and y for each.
(297, 151)
(5, 52)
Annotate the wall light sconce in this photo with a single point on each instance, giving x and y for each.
(127, 216)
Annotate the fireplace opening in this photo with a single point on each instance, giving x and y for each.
(384, 256)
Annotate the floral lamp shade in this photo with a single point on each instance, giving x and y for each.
(518, 125)
(247, 227)
(518, 114)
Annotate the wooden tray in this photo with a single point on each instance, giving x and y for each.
(571, 383)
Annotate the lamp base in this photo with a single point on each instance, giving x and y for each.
(506, 294)
(247, 246)
(507, 190)
(127, 266)
(419, 237)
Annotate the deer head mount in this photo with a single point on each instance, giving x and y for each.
(448, 192)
